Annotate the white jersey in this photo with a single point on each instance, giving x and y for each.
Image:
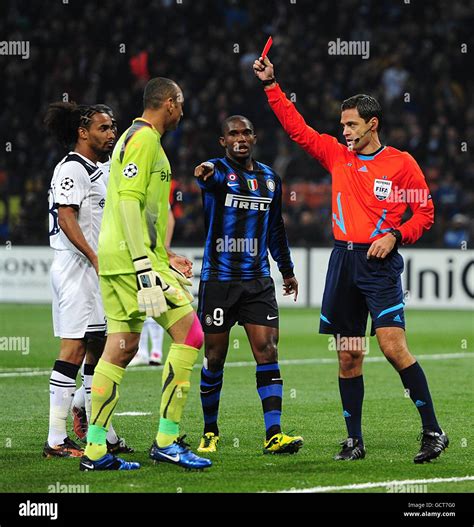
(76, 181)
(105, 167)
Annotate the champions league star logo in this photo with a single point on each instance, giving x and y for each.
(67, 183)
(130, 171)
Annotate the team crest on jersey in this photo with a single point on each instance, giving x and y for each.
(270, 185)
(67, 183)
(382, 189)
(253, 184)
(130, 171)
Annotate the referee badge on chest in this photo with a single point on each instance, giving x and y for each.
(382, 189)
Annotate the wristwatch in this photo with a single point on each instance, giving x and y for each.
(397, 234)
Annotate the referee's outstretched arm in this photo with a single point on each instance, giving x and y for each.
(320, 146)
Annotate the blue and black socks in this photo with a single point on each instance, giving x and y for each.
(211, 386)
(270, 390)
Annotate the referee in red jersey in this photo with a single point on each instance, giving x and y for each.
(372, 186)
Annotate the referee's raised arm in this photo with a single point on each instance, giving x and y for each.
(320, 146)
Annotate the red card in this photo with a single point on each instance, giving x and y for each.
(267, 47)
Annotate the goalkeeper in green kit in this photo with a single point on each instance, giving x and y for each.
(139, 278)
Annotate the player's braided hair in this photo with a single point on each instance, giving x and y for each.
(63, 119)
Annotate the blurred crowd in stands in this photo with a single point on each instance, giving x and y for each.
(105, 51)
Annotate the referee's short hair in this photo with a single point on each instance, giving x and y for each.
(366, 105)
(157, 91)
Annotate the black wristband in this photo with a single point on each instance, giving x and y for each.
(147, 269)
(139, 258)
(269, 81)
(397, 234)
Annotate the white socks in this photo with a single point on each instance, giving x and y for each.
(62, 385)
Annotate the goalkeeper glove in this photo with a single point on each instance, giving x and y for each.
(151, 289)
(183, 282)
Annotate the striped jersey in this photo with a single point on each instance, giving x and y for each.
(243, 221)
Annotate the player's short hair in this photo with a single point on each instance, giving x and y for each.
(157, 91)
(63, 119)
(235, 118)
(366, 105)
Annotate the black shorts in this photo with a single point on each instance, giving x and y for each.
(222, 304)
(356, 287)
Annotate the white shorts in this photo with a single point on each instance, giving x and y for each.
(77, 304)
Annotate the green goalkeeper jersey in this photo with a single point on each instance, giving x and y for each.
(141, 171)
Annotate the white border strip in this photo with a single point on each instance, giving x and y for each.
(381, 484)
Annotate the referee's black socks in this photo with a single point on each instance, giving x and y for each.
(352, 397)
(414, 380)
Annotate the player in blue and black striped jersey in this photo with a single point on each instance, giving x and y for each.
(242, 208)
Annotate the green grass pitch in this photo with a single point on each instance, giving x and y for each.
(311, 407)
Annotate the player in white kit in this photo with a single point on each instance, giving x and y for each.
(76, 202)
(81, 404)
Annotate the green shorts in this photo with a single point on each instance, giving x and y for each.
(119, 296)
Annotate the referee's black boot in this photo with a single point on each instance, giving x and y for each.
(352, 449)
(432, 444)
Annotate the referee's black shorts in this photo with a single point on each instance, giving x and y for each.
(356, 286)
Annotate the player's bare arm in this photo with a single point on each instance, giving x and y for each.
(178, 262)
(169, 231)
(68, 223)
(181, 263)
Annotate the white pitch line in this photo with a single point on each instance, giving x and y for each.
(334, 360)
(132, 414)
(20, 369)
(374, 485)
(34, 372)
